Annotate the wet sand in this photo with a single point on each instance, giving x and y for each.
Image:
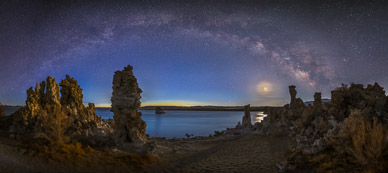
(244, 153)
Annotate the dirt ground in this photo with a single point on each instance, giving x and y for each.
(244, 153)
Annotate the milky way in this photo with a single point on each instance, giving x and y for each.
(194, 51)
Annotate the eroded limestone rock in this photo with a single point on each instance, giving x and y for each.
(128, 125)
(337, 130)
(2, 110)
(317, 100)
(246, 120)
(49, 116)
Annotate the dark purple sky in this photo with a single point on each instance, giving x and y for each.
(194, 52)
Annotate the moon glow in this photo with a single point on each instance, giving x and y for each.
(264, 88)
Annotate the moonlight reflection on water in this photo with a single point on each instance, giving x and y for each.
(260, 117)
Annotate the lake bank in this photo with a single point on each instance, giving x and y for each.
(237, 153)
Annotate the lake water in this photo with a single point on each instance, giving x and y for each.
(178, 123)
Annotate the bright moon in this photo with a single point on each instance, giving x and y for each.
(264, 88)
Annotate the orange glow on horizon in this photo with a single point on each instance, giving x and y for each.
(164, 103)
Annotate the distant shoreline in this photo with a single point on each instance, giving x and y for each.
(204, 108)
(11, 109)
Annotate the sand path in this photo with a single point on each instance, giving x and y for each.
(246, 153)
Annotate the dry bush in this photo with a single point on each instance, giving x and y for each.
(360, 145)
(369, 142)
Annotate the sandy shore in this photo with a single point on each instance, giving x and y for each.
(228, 153)
(244, 153)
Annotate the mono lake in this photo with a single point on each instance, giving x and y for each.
(178, 123)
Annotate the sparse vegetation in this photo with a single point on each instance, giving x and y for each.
(360, 145)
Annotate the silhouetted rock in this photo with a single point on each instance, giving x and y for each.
(282, 121)
(2, 110)
(159, 110)
(246, 120)
(342, 134)
(293, 92)
(317, 100)
(128, 125)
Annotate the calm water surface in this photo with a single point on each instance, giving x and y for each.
(178, 123)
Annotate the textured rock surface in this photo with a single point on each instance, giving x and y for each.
(2, 110)
(246, 120)
(282, 121)
(72, 100)
(293, 92)
(337, 136)
(317, 100)
(48, 116)
(128, 125)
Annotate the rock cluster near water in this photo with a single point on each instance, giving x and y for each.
(246, 120)
(128, 125)
(51, 117)
(281, 121)
(348, 133)
(159, 110)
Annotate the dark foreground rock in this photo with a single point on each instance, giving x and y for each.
(2, 110)
(347, 134)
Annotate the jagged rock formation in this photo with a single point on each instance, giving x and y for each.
(159, 110)
(72, 101)
(317, 100)
(338, 136)
(246, 120)
(47, 115)
(292, 92)
(128, 125)
(2, 110)
(280, 121)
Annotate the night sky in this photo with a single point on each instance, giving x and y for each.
(194, 52)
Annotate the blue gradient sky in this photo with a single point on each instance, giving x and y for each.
(194, 53)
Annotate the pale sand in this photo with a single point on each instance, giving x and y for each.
(245, 153)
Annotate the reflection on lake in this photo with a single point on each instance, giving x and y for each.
(259, 117)
(178, 123)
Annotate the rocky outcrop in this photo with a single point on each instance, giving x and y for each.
(159, 110)
(72, 101)
(292, 92)
(317, 100)
(2, 110)
(282, 120)
(246, 120)
(47, 115)
(338, 136)
(128, 125)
